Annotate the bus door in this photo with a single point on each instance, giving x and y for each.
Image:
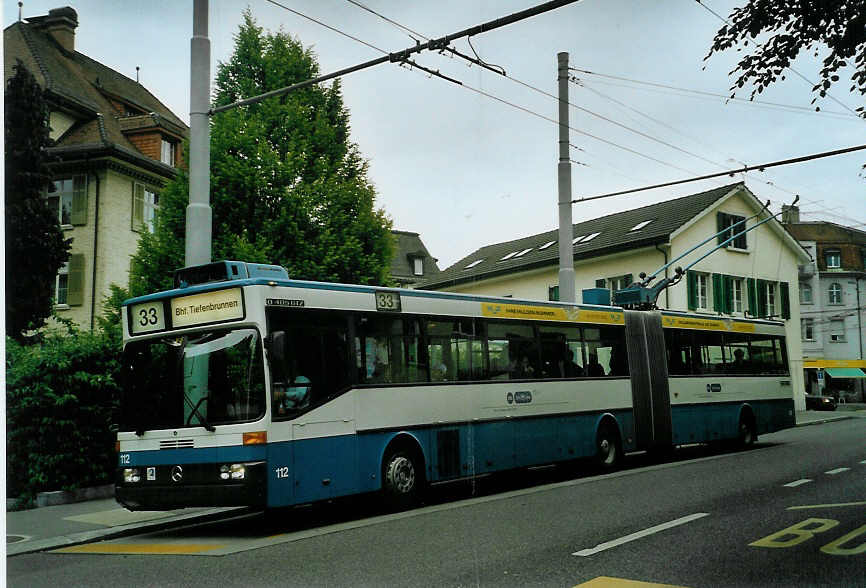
(649, 379)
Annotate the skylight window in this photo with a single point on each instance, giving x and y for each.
(522, 253)
(589, 238)
(474, 263)
(546, 245)
(509, 256)
(577, 240)
(640, 225)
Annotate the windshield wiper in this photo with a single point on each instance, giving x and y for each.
(195, 412)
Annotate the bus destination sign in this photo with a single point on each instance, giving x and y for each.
(209, 307)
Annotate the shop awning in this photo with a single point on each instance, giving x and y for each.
(845, 372)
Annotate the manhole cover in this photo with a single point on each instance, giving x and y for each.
(16, 538)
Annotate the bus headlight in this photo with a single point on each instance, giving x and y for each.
(235, 471)
(131, 475)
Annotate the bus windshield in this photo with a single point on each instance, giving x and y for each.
(203, 379)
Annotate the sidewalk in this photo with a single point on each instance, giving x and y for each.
(52, 527)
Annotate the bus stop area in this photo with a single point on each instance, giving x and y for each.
(65, 525)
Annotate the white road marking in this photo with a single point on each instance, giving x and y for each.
(837, 471)
(796, 483)
(640, 534)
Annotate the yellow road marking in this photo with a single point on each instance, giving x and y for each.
(133, 548)
(608, 582)
(841, 504)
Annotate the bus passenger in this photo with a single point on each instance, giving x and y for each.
(593, 368)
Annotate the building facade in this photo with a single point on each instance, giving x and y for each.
(832, 296)
(755, 275)
(116, 146)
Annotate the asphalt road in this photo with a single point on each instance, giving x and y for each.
(789, 512)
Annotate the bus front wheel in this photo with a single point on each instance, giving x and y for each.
(402, 478)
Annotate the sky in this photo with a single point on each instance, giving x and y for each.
(465, 169)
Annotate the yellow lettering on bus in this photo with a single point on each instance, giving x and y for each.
(835, 547)
(796, 534)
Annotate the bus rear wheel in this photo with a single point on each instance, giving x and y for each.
(746, 437)
(607, 448)
(402, 478)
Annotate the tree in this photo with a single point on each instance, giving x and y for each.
(838, 25)
(35, 248)
(287, 185)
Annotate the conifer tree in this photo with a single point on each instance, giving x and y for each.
(35, 248)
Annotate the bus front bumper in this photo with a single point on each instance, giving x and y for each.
(198, 485)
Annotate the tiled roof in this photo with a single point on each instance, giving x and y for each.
(407, 245)
(83, 86)
(613, 233)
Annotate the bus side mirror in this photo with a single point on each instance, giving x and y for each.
(277, 347)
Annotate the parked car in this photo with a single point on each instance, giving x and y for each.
(818, 402)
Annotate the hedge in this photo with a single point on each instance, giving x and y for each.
(61, 396)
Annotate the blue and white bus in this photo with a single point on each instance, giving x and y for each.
(245, 387)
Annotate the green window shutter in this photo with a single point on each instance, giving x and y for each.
(75, 295)
(553, 293)
(692, 285)
(786, 300)
(721, 224)
(762, 298)
(752, 292)
(718, 293)
(727, 294)
(78, 214)
(600, 283)
(137, 206)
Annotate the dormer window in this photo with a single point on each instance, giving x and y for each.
(168, 152)
(418, 266)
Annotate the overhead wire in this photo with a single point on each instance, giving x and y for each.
(732, 172)
(524, 109)
(702, 93)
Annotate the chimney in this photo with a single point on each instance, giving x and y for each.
(60, 24)
(790, 214)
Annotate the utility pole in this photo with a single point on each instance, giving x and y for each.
(566, 230)
(198, 212)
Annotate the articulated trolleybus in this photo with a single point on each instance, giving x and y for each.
(244, 387)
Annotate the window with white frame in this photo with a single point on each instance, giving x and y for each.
(834, 293)
(837, 330)
(418, 266)
(808, 326)
(771, 299)
(805, 293)
(61, 288)
(144, 206)
(737, 289)
(60, 199)
(168, 152)
(703, 286)
(833, 257)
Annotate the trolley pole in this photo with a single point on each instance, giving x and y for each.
(198, 212)
(566, 230)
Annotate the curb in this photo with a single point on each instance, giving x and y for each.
(67, 497)
(24, 547)
(828, 419)
(58, 497)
